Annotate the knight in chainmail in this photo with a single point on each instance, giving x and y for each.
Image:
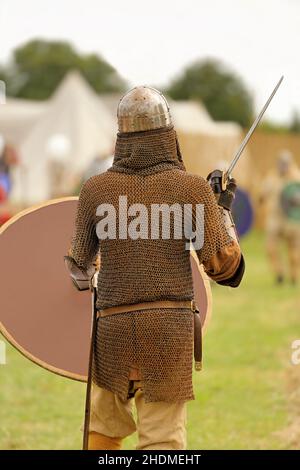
(143, 349)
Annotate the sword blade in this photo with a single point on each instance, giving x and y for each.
(250, 132)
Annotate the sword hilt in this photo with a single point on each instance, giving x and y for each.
(218, 181)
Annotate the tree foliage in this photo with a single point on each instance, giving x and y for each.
(271, 127)
(38, 66)
(221, 91)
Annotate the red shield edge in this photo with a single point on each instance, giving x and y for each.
(41, 313)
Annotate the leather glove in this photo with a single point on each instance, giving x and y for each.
(225, 198)
(82, 280)
(79, 278)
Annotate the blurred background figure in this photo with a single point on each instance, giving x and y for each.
(8, 158)
(281, 197)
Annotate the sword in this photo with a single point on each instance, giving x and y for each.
(226, 174)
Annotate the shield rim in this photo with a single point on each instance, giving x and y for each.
(45, 365)
(3, 330)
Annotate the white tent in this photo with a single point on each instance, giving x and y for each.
(207, 144)
(74, 128)
(192, 117)
(17, 116)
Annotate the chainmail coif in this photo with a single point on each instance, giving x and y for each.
(146, 152)
(147, 169)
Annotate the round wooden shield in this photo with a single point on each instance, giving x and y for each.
(41, 313)
(242, 212)
(290, 201)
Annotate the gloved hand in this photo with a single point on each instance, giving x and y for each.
(225, 198)
(79, 278)
(83, 280)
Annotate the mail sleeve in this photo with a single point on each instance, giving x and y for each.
(83, 256)
(219, 252)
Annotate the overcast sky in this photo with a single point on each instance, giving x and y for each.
(150, 42)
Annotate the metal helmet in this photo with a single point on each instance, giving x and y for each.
(143, 108)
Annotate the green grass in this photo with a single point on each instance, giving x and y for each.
(242, 399)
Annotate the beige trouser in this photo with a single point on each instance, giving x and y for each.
(160, 425)
(274, 240)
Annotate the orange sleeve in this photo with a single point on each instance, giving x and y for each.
(224, 263)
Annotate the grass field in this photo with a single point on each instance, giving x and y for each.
(247, 397)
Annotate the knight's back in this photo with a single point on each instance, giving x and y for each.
(171, 186)
(146, 259)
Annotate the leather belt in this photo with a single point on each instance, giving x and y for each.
(182, 304)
